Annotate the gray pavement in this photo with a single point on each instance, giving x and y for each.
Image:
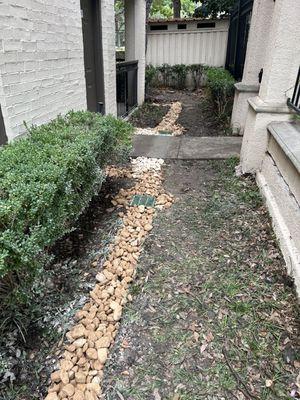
(186, 148)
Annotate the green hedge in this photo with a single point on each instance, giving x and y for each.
(47, 179)
(221, 86)
(174, 76)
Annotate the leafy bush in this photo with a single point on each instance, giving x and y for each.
(221, 87)
(150, 75)
(174, 76)
(46, 180)
(179, 74)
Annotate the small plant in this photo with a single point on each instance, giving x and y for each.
(174, 76)
(196, 71)
(221, 88)
(150, 75)
(179, 74)
(166, 73)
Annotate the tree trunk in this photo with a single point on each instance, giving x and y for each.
(176, 8)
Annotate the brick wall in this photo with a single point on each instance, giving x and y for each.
(41, 61)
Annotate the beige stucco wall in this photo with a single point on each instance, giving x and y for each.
(274, 180)
(255, 138)
(41, 61)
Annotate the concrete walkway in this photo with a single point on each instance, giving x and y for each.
(186, 148)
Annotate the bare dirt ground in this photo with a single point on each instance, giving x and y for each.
(197, 116)
(214, 315)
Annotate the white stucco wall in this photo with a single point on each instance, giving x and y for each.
(109, 56)
(41, 61)
(135, 40)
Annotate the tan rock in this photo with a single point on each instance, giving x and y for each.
(108, 274)
(79, 343)
(71, 375)
(66, 365)
(78, 331)
(81, 387)
(68, 390)
(81, 361)
(102, 355)
(113, 305)
(101, 278)
(103, 342)
(80, 377)
(55, 376)
(92, 353)
(64, 376)
(96, 379)
(78, 395)
(71, 348)
(117, 314)
(98, 365)
(148, 227)
(54, 389)
(94, 387)
(90, 395)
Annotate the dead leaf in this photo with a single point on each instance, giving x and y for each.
(203, 347)
(156, 394)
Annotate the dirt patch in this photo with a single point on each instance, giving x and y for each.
(62, 288)
(197, 116)
(214, 315)
(149, 115)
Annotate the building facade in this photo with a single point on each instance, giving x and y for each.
(58, 55)
(267, 118)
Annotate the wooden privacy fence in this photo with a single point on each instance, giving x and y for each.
(191, 46)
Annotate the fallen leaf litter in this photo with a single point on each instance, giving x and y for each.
(80, 371)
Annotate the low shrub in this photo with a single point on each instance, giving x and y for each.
(175, 76)
(46, 181)
(221, 88)
(150, 75)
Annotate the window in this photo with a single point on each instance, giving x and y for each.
(158, 27)
(181, 26)
(206, 25)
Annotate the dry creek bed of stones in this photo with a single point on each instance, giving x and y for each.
(80, 371)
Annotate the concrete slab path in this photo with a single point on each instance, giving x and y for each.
(186, 148)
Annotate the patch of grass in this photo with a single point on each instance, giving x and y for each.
(220, 289)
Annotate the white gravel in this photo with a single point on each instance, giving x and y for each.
(144, 164)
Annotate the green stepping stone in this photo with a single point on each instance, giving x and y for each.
(143, 200)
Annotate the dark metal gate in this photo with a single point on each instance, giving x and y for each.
(240, 19)
(126, 87)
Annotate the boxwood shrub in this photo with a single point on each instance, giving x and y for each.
(47, 179)
(221, 87)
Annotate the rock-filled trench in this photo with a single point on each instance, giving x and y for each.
(80, 370)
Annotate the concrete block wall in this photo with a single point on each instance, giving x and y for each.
(41, 61)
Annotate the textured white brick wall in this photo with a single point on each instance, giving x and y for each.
(109, 55)
(41, 61)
